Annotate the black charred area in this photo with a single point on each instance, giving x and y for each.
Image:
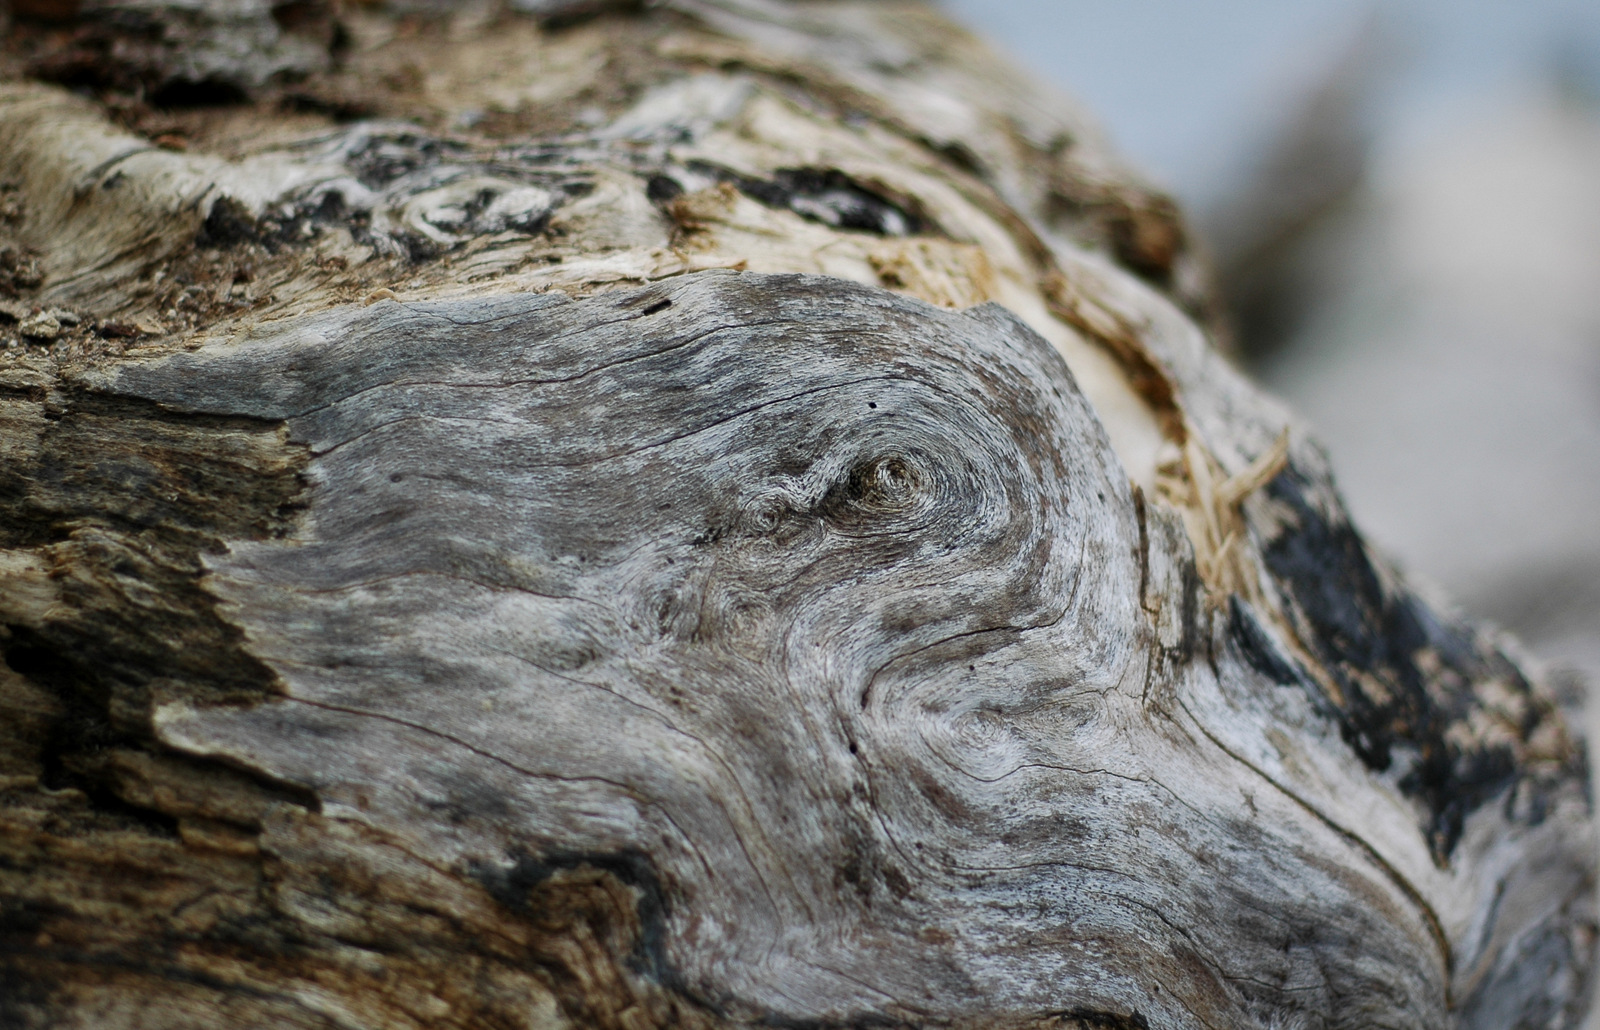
(383, 159)
(396, 165)
(825, 195)
(1256, 647)
(230, 225)
(120, 501)
(1408, 678)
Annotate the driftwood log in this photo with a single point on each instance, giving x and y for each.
(719, 513)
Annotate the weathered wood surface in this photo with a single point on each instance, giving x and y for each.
(767, 545)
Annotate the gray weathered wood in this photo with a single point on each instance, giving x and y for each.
(798, 576)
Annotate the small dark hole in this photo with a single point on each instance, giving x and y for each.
(296, 16)
(36, 663)
(854, 750)
(872, 404)
(660, 305)
(204, 93)
(662, 188)
(395, 477)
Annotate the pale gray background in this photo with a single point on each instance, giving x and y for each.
(1185, 85)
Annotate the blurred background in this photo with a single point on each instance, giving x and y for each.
(1403, 201)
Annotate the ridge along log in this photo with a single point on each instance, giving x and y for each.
(722, 514)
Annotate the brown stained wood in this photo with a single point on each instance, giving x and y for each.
(770, 546)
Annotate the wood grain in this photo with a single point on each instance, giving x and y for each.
(813, 571)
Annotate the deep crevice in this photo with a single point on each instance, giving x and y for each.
(84, 729)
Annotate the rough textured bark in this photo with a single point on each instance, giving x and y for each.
(715, 515)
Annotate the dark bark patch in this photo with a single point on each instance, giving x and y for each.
(25, 999)
(514, 189)
(1256, 646)
(825, 195)
(1410, 683)
(121, 501)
